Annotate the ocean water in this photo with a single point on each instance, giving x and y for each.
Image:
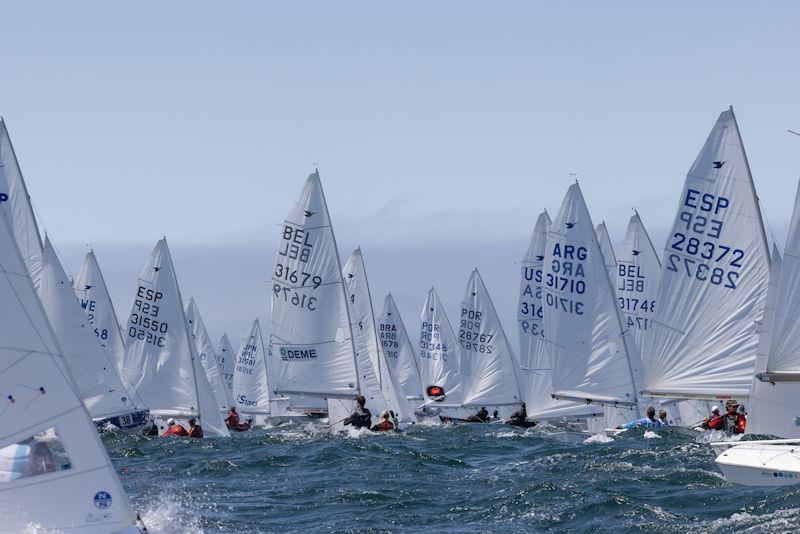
(469, 478)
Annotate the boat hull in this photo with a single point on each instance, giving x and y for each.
(761, 464)
(128, 421)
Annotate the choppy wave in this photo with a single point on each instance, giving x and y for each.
(301, 478)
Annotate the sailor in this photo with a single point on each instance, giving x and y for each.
(361, 418)
(393, 419)
(151, 429)
(734, 421)
(233, 419)
(648, 422)
(519, 416)
(174, 429)
(384, 423)
(662, 418)
(243, 427)
(481, 417)
(715, 421)
(195, 430)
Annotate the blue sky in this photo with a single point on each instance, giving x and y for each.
(440, 129)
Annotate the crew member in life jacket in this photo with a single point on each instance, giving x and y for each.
(233, 419)
(734, 419)
(151, 429)
(662, 418)
(384, 423)
(174, 429)
(647, 422)
(393, 419)
(481, 417)
(361, 418)
(195, 430)
(715, 421)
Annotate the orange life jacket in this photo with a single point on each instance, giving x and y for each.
(175, 430)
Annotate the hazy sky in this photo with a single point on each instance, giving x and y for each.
(441, 129)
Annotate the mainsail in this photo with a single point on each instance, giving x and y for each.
(636, 280)
(492, 363)
(91, 289)
(19, 211)
(714, 279)
(226, 359)
(250, 384)
(439, 355)
(398, 351)
(608, 249)
(377, 384)
(775, 403)
(583, 329)
(535, 359)
(208, 356)
(310, 325)
(79, 491)
(160, 358)
(94, 372)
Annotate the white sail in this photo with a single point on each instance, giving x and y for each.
(19, 212)
(226, 360)
(208, 356)
(775, 402)
(377, 384)
(78, 491)
(439, 356)
(398, 350)
(583, 331)
(714, 279)
(311, 336)
(94, 372)
(160, 358)
(91, 289)
(250, 385)
(492, 363)
(535, 359)
(636, 280)
(608, 249)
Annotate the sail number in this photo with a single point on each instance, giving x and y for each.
(246, 361)
(143, 323)
(292, 276)
(297, 244)
(470, 335)
(430, 343)
(565, 276)
(294, 297)
(703, 258)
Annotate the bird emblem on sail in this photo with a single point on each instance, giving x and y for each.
(636, 252)
(539, 258)
(718, 164)
(308, 213)
(156, 269)
(571, 225)
(87, 287)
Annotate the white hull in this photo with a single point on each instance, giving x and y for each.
(761, 464)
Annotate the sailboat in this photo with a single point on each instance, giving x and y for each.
(440, 360)
(591, 358)
(398, 351)
(55, 473)
(89, 363)
(492, 379)
(714, 279)
(92, 292)
(94, 372)
(250, 383)
(378, 384)
(208, 356)
(775, 404)
(536, 361)
(312, 348)
(160, 358)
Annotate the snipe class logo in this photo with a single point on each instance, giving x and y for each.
(102, 499)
